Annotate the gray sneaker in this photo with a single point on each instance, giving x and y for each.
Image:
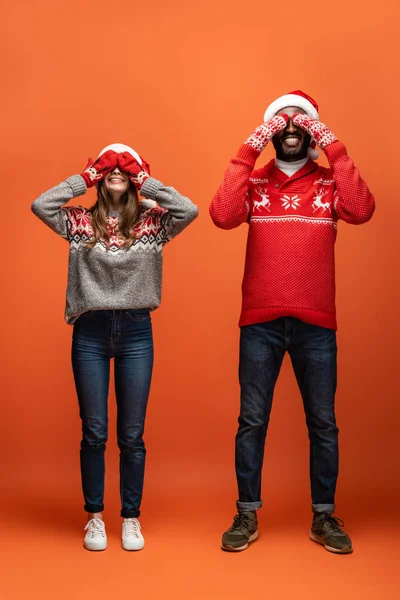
(243, 530)
(327, 531)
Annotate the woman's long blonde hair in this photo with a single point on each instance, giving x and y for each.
(128, 218)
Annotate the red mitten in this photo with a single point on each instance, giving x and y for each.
(145, 165)
(97, 170)
(265, 132)
(320, 132)
(138, 173)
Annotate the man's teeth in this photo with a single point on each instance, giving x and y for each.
(291, 141)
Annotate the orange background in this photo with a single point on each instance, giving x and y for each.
(185, 83)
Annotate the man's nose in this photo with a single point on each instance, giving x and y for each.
(290, 125)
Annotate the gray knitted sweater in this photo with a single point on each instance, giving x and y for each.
(102, 278)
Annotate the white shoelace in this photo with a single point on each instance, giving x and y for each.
(95, 527)
(132, 527)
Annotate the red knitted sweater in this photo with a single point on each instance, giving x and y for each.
(290, 264)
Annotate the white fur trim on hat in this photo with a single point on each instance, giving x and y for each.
(290, 100)
(119, 148)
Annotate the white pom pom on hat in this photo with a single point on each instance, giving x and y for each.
(312, 151)
(119, 148)
(300, 100)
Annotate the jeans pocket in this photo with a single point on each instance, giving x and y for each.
(138, 314)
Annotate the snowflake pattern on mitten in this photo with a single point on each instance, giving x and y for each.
(320, 132)
(265, 132)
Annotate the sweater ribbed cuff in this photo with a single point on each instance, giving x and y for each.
(248, 154)
(335, 151)
(77, 184)
(150, 188)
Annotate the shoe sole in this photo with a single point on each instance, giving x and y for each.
(252, 538)
(127, 549)
(94, 549)
(319, 540)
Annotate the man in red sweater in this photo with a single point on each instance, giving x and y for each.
(292, 206)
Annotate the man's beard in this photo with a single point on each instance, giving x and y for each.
(291, 154)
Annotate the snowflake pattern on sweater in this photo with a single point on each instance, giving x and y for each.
(109, 276)
(150, 230)
(290, 264)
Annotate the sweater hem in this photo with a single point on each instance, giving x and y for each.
(253, 316)
(72, 317)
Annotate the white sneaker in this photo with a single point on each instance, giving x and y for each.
(132, 538)
(96, 537)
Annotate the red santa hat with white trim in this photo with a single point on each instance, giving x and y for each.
(300, 100)
(119, 148)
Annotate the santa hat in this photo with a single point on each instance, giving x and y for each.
(300, 100)
(119, 148)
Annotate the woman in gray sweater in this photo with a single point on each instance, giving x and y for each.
(114, 282)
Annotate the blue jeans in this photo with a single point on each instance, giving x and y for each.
(313, 352)
(126, 336)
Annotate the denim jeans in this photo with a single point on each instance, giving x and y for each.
(313, 352)
(126, 336)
